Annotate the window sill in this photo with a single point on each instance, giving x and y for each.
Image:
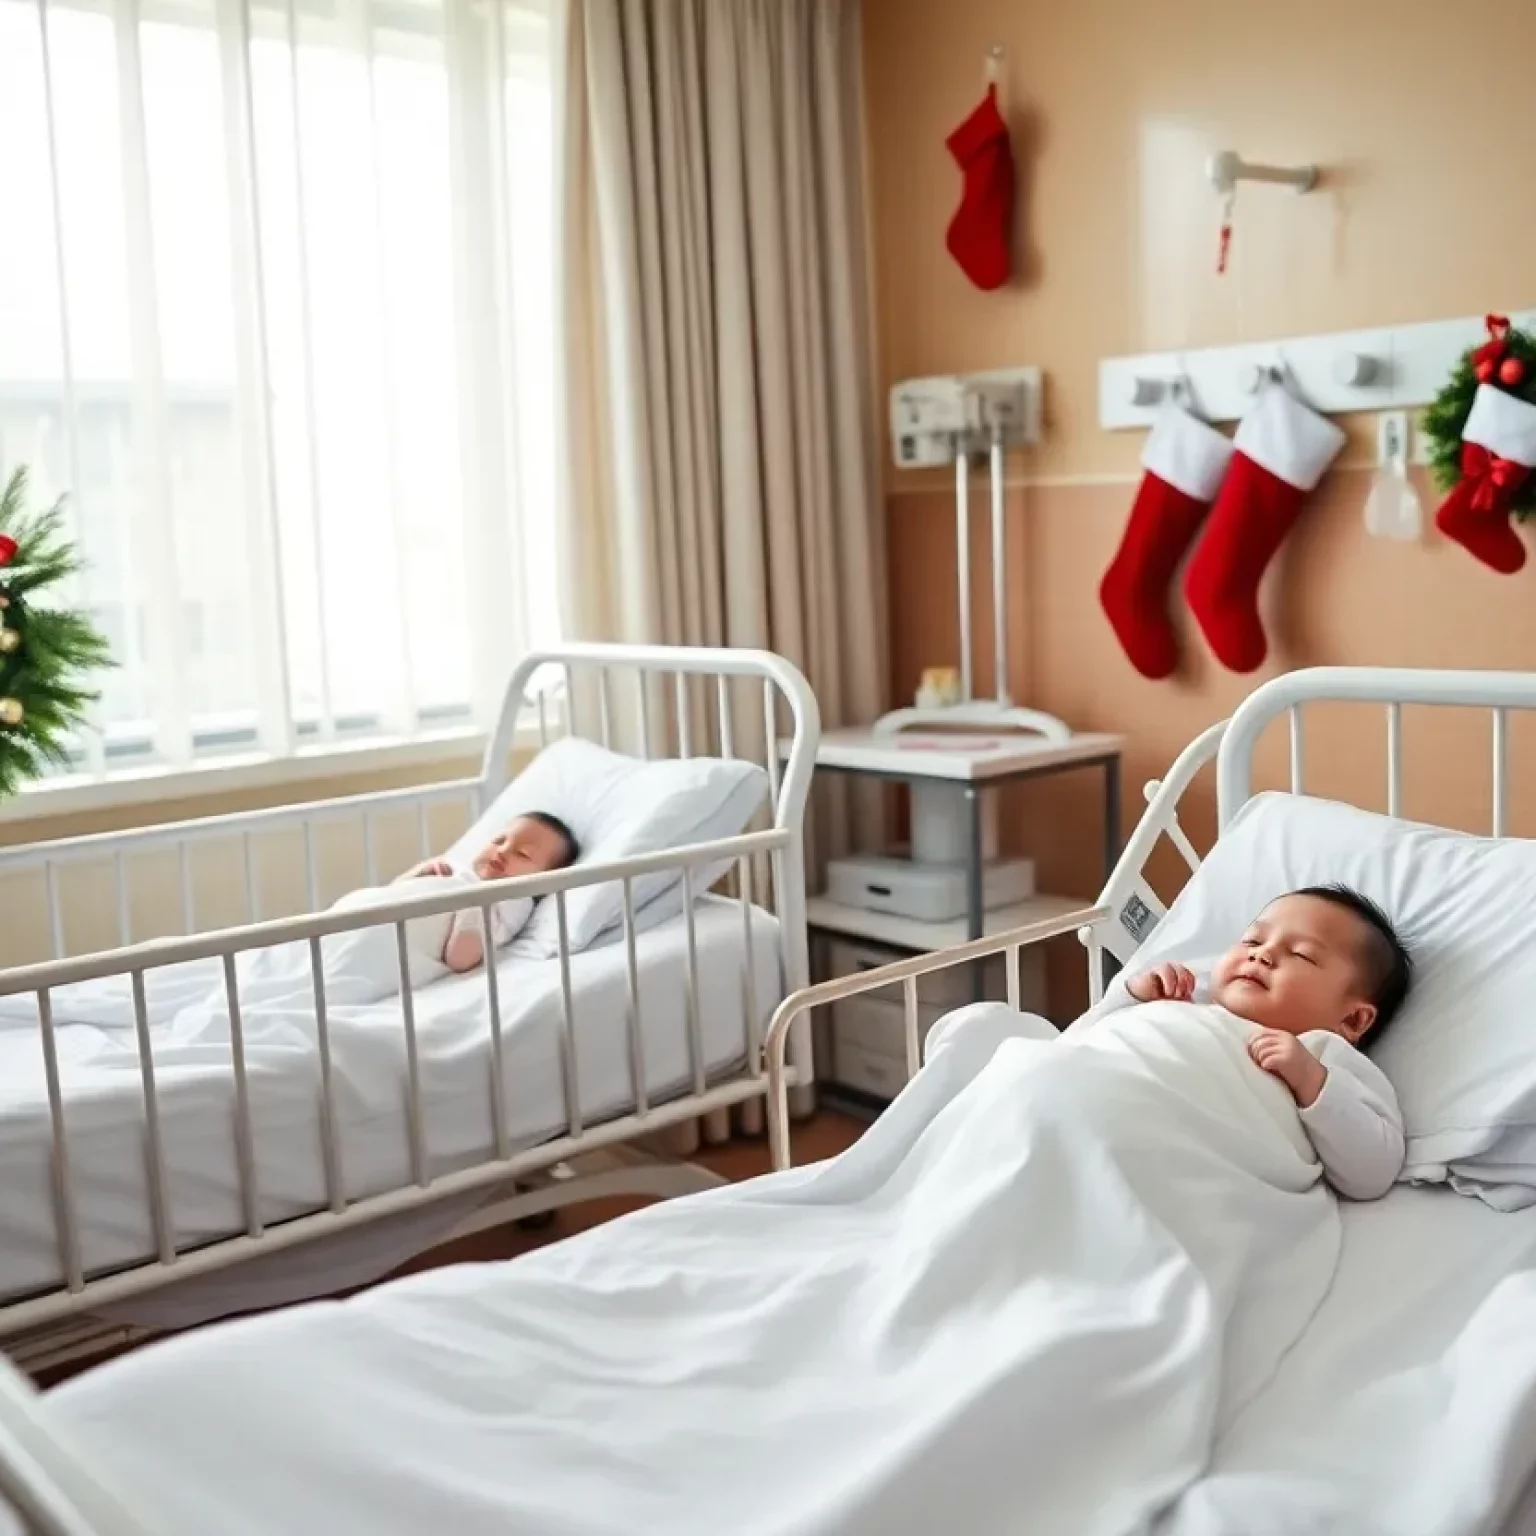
(247, 771)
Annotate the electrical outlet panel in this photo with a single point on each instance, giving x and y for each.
(931, 419)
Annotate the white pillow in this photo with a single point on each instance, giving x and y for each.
(1462, 1053)
(618, 807)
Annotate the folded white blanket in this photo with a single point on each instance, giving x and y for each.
(1025, 1301)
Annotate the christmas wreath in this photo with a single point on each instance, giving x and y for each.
(46, 653)
(1505, 362)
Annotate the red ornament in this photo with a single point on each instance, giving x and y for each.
(8, 548)
(1486, 359)
(1512, 371)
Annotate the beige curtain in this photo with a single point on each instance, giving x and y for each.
(716, 402)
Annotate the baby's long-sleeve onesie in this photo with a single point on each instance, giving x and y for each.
(1355, 1123)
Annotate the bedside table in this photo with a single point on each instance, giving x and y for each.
(972, 762)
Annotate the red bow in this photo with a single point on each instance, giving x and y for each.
(1497, 479)
(8, 548)
(1493, 350)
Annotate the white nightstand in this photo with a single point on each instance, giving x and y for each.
(971, 761)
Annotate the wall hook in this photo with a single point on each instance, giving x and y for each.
(1354, 369)
(996, 68)
(1257, 375)
(1226, 168)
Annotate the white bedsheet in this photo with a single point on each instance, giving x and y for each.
(1409, 1406)
(1026, 1301)
(104, 1105)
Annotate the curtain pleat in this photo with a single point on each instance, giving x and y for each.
(713, 181)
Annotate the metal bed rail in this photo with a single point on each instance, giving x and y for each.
(793, 1010)
(698, 699)
(1128, 909)
(172, 1261)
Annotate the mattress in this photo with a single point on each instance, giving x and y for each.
(104, 1105)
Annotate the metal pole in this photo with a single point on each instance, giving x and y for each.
(963, 556)
(975, 888)
(999, 570)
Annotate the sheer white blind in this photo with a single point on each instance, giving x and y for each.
(276, 313)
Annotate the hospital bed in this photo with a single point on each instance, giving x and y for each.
(153, 1175)
(1410, 1396)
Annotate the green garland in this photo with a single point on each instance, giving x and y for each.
(1446, 418)
(46, 654)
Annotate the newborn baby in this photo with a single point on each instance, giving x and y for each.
(532, 844)
(1317, 972)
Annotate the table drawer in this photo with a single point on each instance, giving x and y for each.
(882, 1076)
(870, 1023)
(936, 993)
(940, 991)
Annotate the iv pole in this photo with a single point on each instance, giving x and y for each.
(1000, 712)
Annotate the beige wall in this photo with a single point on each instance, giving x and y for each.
(1413, 111)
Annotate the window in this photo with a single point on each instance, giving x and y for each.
(275, 313)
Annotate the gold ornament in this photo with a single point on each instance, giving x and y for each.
(10, 641)
(11, 712)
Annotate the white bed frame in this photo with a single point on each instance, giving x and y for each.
(52, 1482)
(675, 687)
(1128, 909)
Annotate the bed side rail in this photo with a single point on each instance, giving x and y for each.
(1497, 692)
(689, 718)
(792, 1011)
(394, 827)
(174, 1259)
(1135, 907)
(682, 701)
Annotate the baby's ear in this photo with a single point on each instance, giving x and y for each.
(1356, 1024)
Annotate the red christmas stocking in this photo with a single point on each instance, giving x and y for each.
(1498, 448)
(1283, 448)
(979, 233)
(1185, 460)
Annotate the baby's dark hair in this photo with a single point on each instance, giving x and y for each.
(1388, 964)
(559, 828)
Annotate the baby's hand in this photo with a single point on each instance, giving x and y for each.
(1167, 982)
(1285, 1057)
(431, 867)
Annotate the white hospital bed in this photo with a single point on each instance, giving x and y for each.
(1421, 1356)
(151, 1177)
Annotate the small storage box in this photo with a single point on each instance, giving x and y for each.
(934, 893)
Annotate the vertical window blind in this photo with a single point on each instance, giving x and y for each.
(276, 307)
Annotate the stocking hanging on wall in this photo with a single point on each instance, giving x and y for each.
(1480, 431)
(1497, 455)
(1283, 449)
(1185, 460)
(981, 231)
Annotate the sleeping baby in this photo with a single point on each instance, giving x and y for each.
(535, 843)
(1317, 972)
(362, 964)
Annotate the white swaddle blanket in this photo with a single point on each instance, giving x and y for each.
(1027, 1300)
(356, 955)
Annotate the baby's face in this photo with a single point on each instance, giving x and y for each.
(1297, 968)
(527, 847)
